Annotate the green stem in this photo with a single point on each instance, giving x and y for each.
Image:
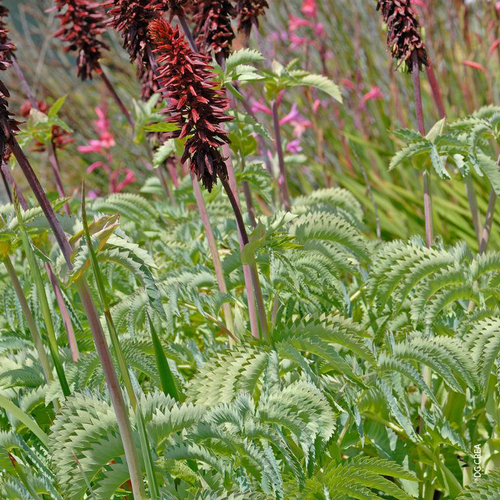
(282, 181)
(93, 319)
(122, 364)
(42, 299)
(37, 339)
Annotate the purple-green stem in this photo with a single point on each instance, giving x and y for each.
(471, 197)
(187, 30)
(421, 128)
(6, 185)
(485, 236)
(212, 245)
(95, 324)
(248, 269)
(436, 93)
(54, 162)
(282, 180)
(247, 193)
(116, 97)
(488, 224)
(37, 339)
(250, 272)
(73, 346)
(55, 284)
(471, 193)
(12, 184)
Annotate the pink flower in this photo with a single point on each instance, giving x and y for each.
(497, 7)
(373, 93)
(294, 147)
(259, 106)
(309, 8)
(292, 115)
(94, 146)
(319, 29)
(297, 41)
(296, 22)
(106, 139)
(298, 122)
(475, 65)
(113, 178)
(347, 83)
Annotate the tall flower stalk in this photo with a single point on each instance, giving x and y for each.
(197, 106)
(8, 127)
(82, 23)
(406, 46)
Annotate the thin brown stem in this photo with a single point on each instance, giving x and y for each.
(436, 93)
(421, 128)
(95, 324)
(253, 268)
(187, 30)
(54, 162)
(282, 180)
(212, 245)
(488, 223)
(75, 353)
(471, 197)
(116, 97)
(6, 185)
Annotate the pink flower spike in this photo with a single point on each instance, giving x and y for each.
(374, 93)
(319, 29)
(297, 22)
(298, 41)
(94, 146)
(258, 106)
(475, 65)
(494, 45)
(292, 115)
(129, 178)
(294, 147)
(92, 194)
(348, 84)
(309, 8)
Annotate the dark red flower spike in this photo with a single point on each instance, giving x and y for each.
(82, 24)
(403, 36)
(195, 102)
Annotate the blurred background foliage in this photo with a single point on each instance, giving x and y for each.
(347, 145)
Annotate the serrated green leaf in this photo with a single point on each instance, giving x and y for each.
(323, 83)
(243, 56)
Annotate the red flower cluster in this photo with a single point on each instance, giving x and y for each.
(6, 47)
(249, 12)
(82, 23)
(194, 102)
(403, 37)
(60, 137)
(213, 29)
(131, 18)
(7, 124)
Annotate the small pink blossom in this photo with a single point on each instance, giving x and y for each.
(128, 179)
(497, 7)
(294, 147)
(319, 29)
(348, 83)
(106, 139)
(373, 93)
(298, 122)
(309, 8)
(295, 23)
(259, 106)
(297, 41)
